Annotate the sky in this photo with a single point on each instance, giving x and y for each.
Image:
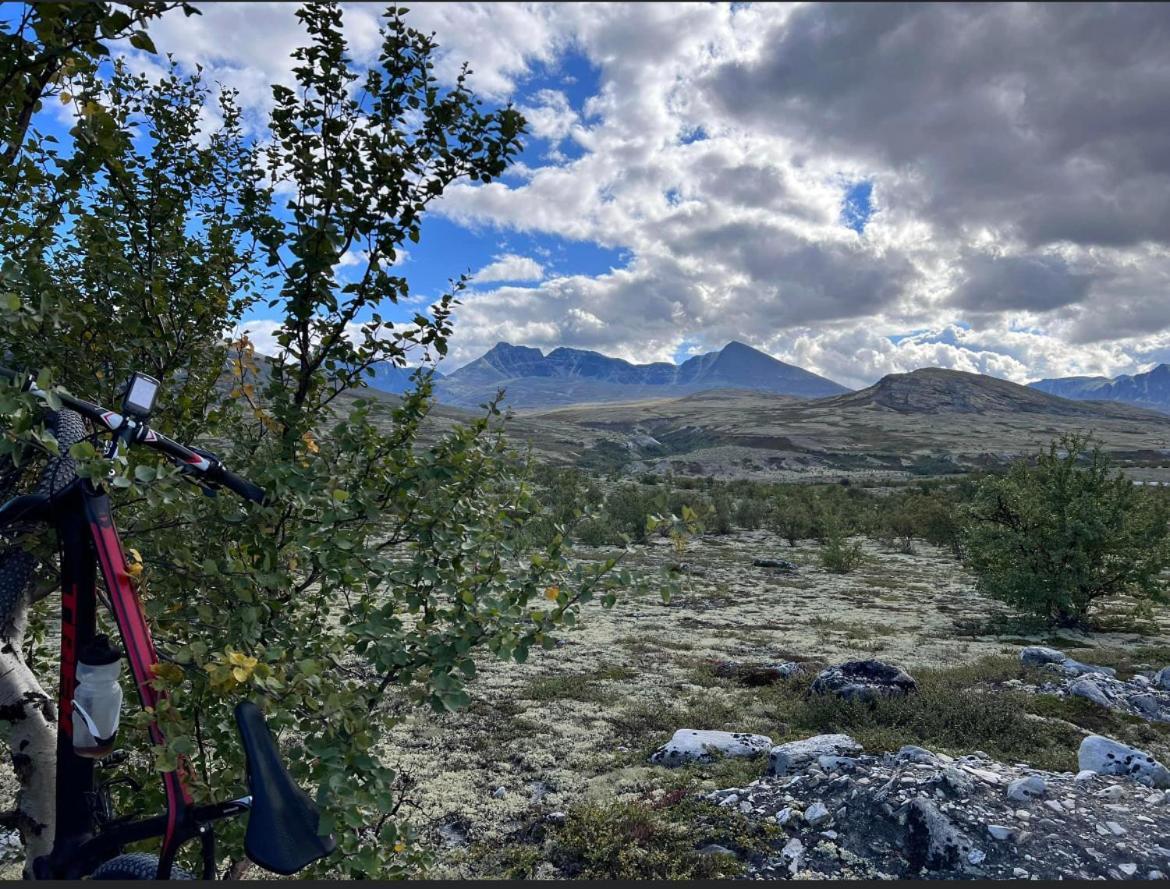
(858, 189)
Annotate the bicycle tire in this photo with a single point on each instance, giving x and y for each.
(135, 866)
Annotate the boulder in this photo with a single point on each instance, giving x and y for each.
(1108, 757)
(1076, 668)
(694, 745)
(1162, 679)
(864, 681)
(1038, 656)
(919, 755)
(796, 756)
(933, 841)
(776, 564)
(1025, 789)
(1090, 691)
(817, 815)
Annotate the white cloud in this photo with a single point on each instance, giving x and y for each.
(1018, 189)
(509, 267)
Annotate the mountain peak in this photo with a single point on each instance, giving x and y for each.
(1150, 390)
(567, 375)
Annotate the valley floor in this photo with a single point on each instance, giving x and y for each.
(553, 742)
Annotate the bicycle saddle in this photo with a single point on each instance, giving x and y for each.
(282, 827)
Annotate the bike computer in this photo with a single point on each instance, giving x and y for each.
(141, 392)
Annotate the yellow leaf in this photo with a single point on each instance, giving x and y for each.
(66, 98)
(552, 592)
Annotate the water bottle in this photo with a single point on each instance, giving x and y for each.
(97, 698)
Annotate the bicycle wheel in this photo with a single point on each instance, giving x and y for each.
(135, 866)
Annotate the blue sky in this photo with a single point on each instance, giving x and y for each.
(797, 178)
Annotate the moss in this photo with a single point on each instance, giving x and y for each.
(658, 837)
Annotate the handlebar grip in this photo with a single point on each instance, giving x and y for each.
(239, 485)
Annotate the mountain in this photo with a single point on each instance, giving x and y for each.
(1149, 390)
(394, 379)
(565, 376)
(934, 390)
(927, 422)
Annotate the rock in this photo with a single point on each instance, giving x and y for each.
(1024, 789)
(1108, 757)
(716, 849)
(1089, 690)
(1162, 678)
(787, 669)
(864, 681)
(976, 856)
(1155, 875)
(793, 853)
(921, 755)
(1000, 832)
(837, 763)
(798, 755)
(817, 814)
(787, 815)
(556, 817)
(1085, 775)
(1038, 656)
(1113, 793)
(1128, 869)
(778, 564)
(499, 793)
(958, 781)
(756, 674)
(933, 841)
(1076, 668)
(694, 745)
(1147, 704)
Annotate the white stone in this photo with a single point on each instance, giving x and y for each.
(697, 745)
(1025, 789)
(1109, 757)
(797, 755)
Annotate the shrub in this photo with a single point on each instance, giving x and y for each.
(839, 555)
(1055, 535)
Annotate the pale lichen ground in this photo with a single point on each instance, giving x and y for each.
(550, 731)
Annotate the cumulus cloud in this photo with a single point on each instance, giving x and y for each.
(1019, 158)
(509, 267)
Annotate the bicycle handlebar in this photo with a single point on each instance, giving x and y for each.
(204, 463)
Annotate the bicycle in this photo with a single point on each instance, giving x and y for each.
(90, 840)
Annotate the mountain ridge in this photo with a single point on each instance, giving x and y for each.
(533, 380)
(1150, 390)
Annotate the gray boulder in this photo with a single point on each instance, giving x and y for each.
(1025, 789)
(1162, 678)
(1038, 656)
(933, 841)
(864, 681)
(1090, 691)
(1076, 668)
(817, 814)
(919, 755)
(796, 756)
(1108, 757)
(694, 745)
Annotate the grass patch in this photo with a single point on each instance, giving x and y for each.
(657, 838)
(957, 710)
(583, 687)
